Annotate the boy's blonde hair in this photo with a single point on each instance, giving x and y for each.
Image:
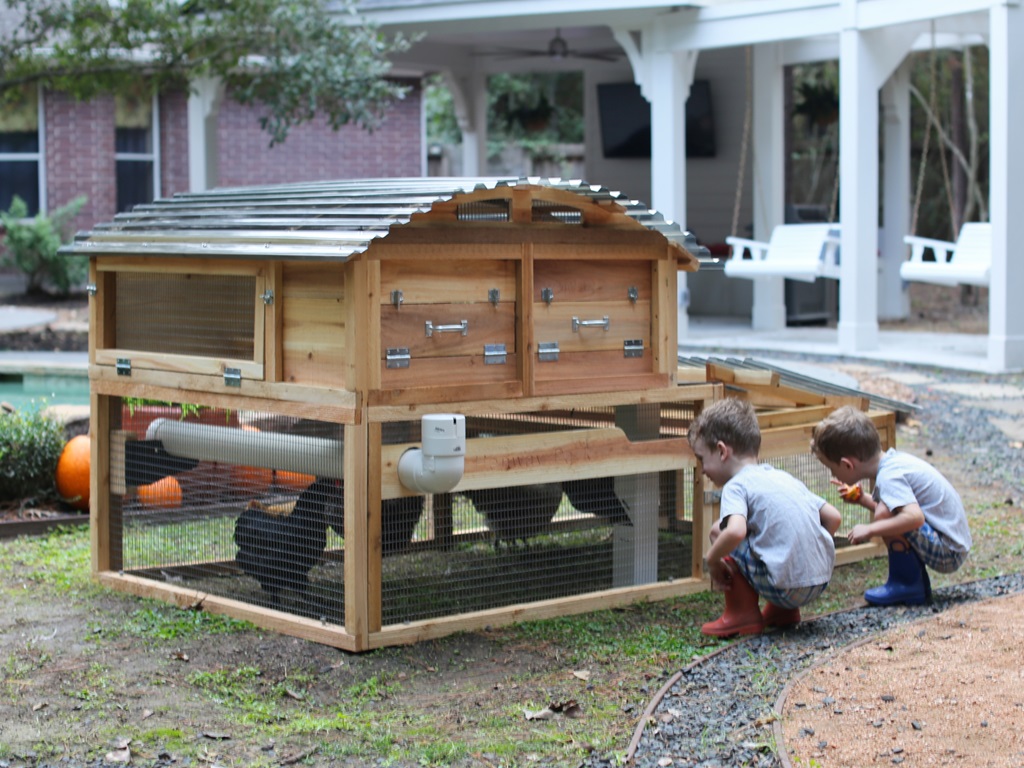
(846, 433)
(730, 421)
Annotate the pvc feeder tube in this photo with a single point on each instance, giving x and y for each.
(318, 456)
(438, 466)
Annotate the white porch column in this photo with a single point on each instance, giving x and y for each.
(668, 86)
(768, 135)
(893, 297)
(468, 94)
(1006, 193)
(203, 109)
(858, 175)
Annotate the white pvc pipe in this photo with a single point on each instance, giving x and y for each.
(319, 456)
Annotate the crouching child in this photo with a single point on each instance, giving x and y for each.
(773, 538)
(915, 510)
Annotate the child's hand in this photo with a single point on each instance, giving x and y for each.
(849, 493)
(859, 534)
(721, 575)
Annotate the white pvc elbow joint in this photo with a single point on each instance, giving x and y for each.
(437, 467)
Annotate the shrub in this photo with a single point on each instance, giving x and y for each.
(30, 445)
(31, 247)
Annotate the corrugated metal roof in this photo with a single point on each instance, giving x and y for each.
(333, 220)
(792, 378)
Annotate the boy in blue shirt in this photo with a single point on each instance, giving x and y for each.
(915, 509)
(773, 537)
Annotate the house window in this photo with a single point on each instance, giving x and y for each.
(135, 141)
(20, 155)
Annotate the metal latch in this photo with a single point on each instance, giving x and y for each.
(547, 351)
(633, 293)
(494, 354)
(232, 377)
(494, 296)
(397, 297)
(397, 357)
(124, 366)
(268, 297)
(712, 497)
(633, 348)
(91, 289)
(547, 294)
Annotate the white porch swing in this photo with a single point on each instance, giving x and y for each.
(802, 252)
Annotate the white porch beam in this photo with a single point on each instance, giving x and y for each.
(893, 296)
(202, 112)
(875, 14)
(768, 312)
(858, 173)
(671, 74)
(1006, 192)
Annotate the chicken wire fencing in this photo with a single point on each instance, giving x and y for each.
(240, 504)
(200, 497)
(816, 476)
(186, 314)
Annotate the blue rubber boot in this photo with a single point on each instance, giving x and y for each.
(908, 582)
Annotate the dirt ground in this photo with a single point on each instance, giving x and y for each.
(71, 684)
(946, 691)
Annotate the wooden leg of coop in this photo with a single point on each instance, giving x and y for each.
(357, 587)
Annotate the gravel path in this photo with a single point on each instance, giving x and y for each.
(719, 711)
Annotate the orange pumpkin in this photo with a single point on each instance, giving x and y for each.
(253, 481)
(294, 480)
(72, 475)
(164, 493)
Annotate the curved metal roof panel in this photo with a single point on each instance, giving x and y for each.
(332, 220)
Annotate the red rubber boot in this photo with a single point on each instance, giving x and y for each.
(774, 616)
(742, 615)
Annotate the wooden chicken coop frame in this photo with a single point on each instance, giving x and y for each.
(340, 314)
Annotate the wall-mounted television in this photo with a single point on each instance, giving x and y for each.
(625, 118)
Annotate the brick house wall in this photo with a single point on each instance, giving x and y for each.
(315, 152)
(80, 157)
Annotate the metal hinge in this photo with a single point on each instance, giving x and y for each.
(547, 351)
(268, 297)
(232, 377)
(494, 354)
(91, 289)
(397, 357)
(397, 297)
(633, 348)
(124, 366)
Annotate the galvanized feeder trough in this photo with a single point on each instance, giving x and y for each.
(263, 359)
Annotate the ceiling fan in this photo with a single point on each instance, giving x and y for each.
(557, 49)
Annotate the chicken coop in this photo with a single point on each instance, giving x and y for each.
(370, 413)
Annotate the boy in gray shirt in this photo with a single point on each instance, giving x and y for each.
(773, 537)
(916, 511)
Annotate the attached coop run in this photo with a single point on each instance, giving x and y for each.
(246, 536)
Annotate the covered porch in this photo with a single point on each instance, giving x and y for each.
(663, 47)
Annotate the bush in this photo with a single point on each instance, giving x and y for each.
(31, 247)
(30, 444)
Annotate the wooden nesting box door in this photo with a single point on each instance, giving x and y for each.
(448, 327)
(592, 325)
(178, 318)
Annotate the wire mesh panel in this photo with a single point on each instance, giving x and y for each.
(814, 474)
(186, 314)
(243, 505)
(488, 548)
